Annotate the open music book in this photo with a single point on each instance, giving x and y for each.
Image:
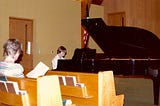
(39, 70)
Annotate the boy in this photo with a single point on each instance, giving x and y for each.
(61, 53)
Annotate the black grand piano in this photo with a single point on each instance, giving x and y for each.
(127, 51)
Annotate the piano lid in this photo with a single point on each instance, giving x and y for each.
(122, 41)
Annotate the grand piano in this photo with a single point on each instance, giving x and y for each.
(127, 51)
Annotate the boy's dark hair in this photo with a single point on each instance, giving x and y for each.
(62, 49)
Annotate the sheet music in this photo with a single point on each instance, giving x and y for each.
(39, 70)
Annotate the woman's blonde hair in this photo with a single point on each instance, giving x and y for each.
(11, 47)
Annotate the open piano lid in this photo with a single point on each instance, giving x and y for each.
(122, 41)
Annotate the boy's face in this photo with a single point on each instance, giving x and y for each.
(62, 54)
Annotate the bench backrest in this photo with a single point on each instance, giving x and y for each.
(43, 91)
(98, 87)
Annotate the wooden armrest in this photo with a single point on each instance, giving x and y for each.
(118, 100)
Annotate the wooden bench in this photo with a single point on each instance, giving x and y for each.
(13, 99)
(43, 91)
(99, 89)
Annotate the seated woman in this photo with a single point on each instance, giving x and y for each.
(11, 52)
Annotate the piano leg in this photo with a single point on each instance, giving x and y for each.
(156, 86)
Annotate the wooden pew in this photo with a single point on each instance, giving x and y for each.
(13, 99)
(43, 91)
(99, 90)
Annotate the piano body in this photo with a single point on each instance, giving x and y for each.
(127, 51)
